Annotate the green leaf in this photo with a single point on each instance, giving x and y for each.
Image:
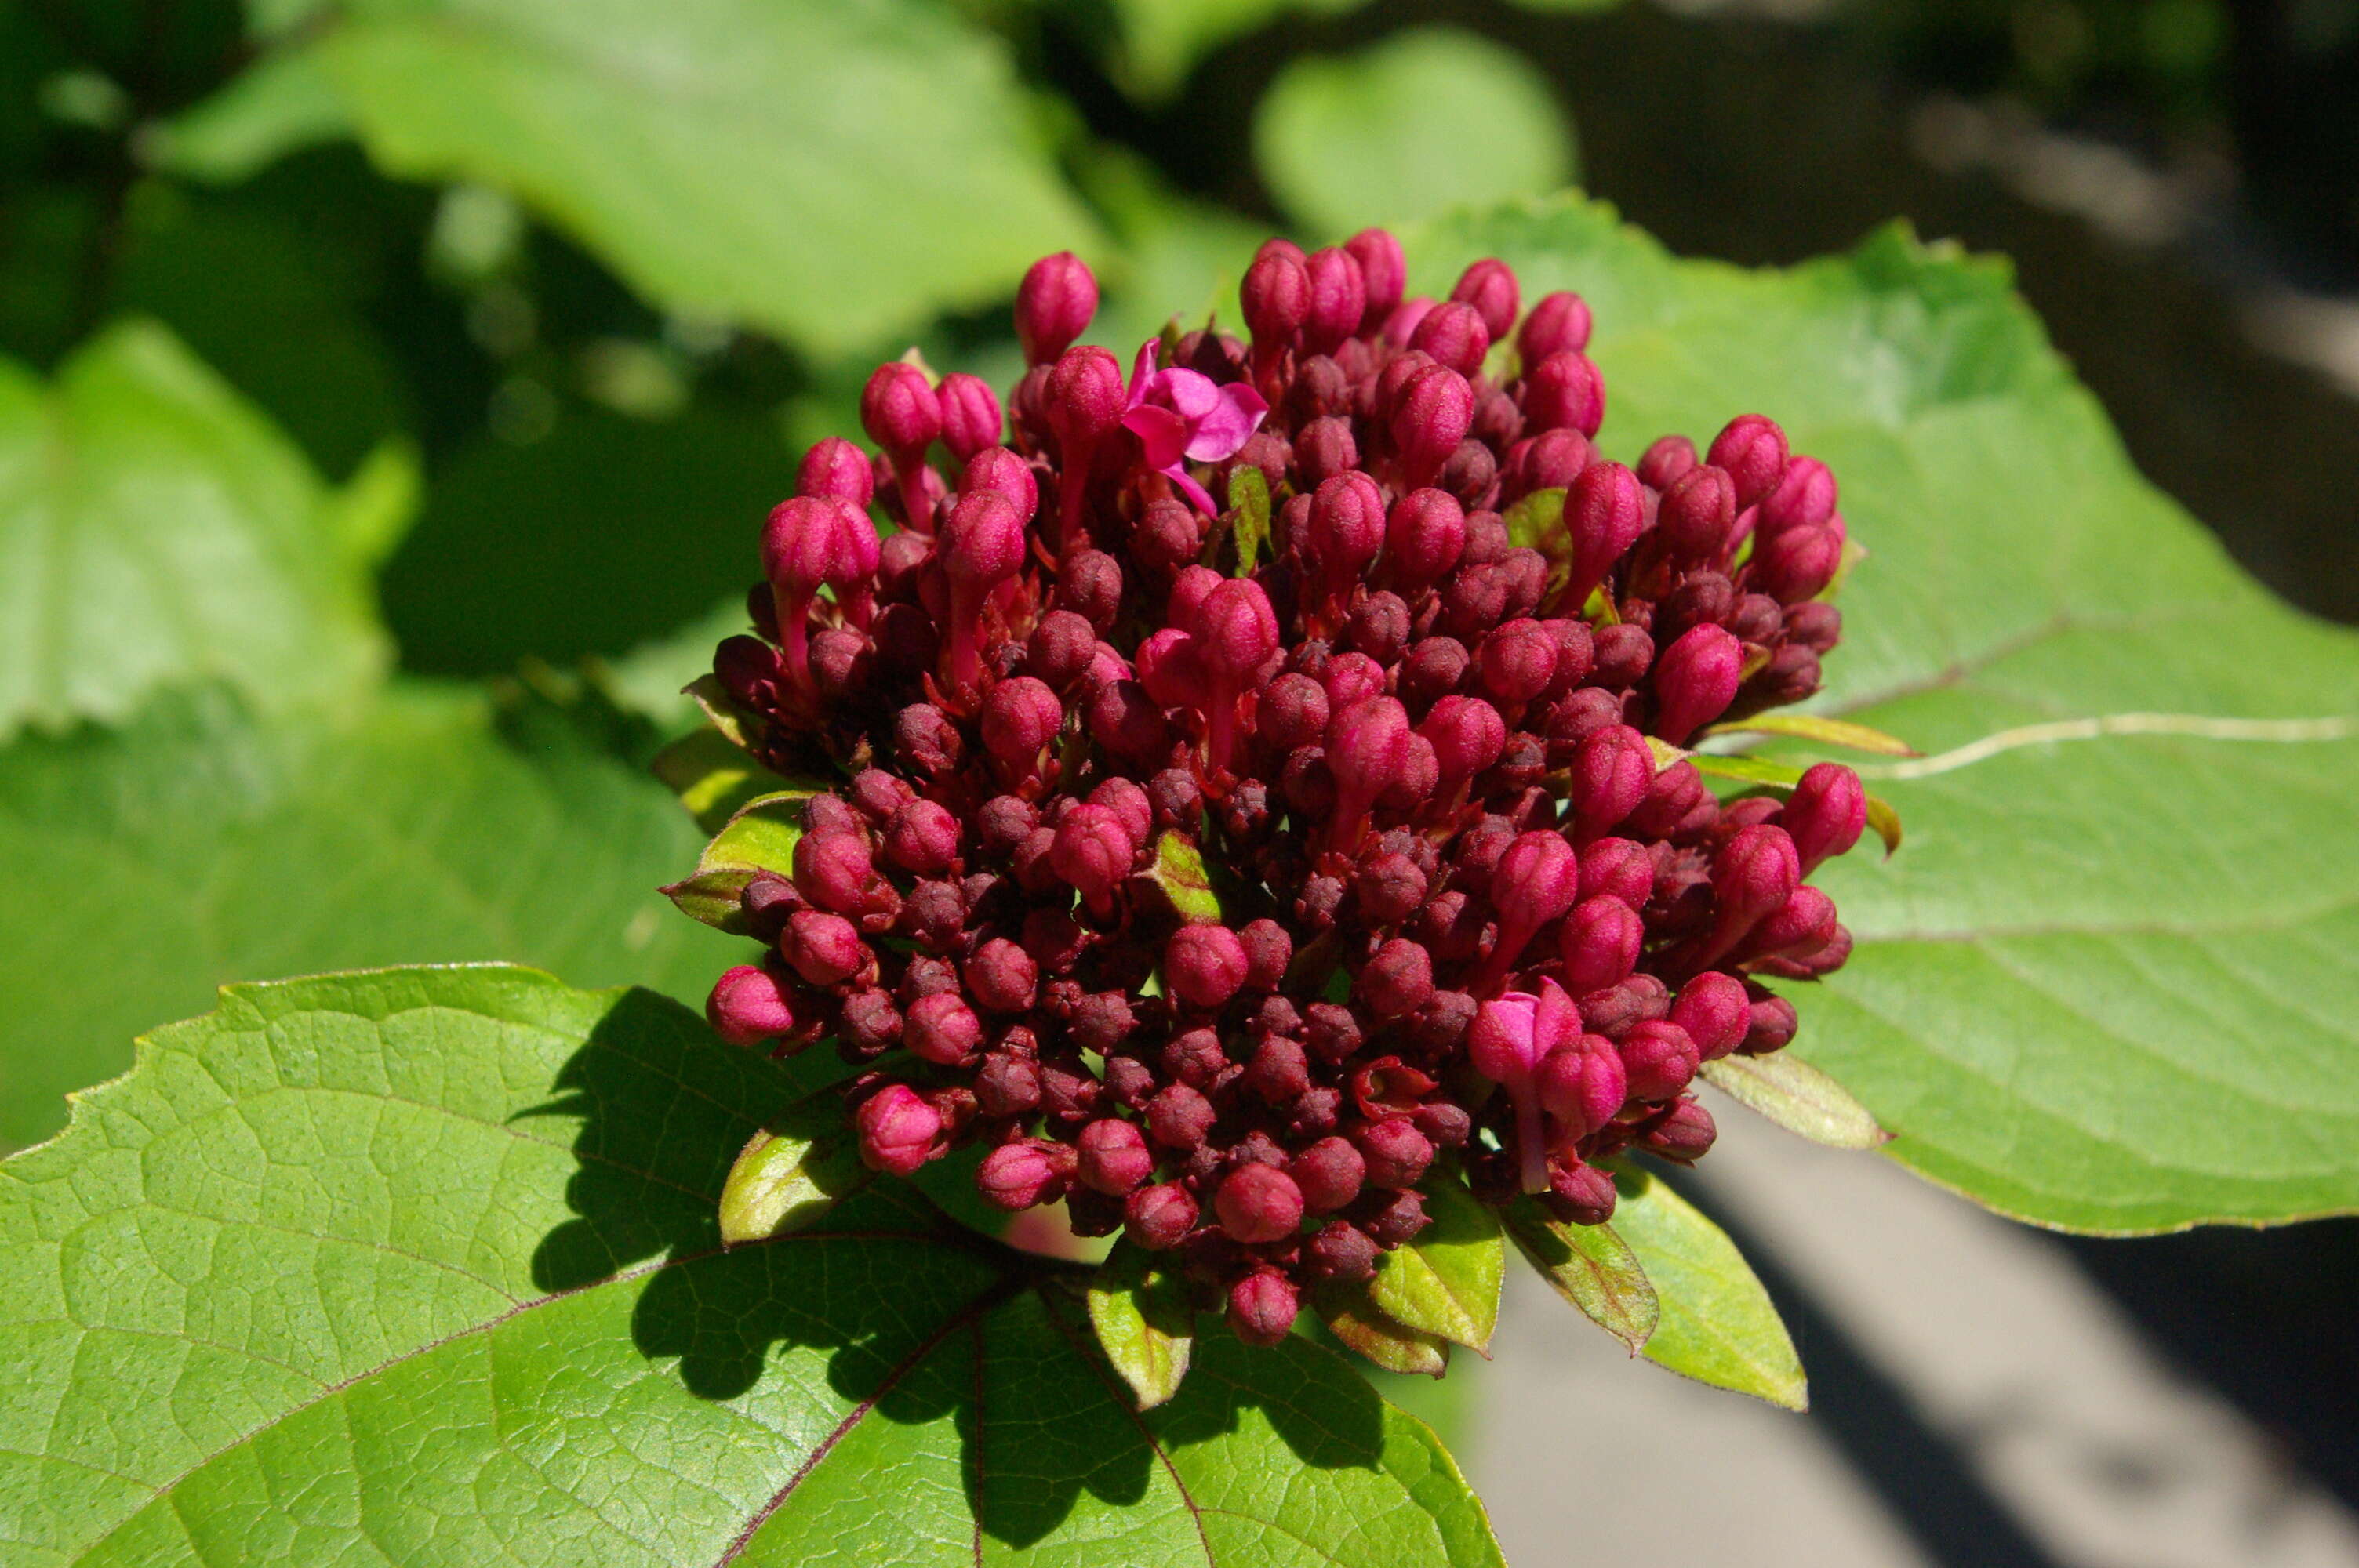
(712, 776)
(1798, 1097)
(1141, 1318)
(1407, 128)
(1536, 521)
(790, 1174)
(760, 836)
(278, 106)
(1248, 517)
(1359, 1325)
(424, 1265)
(1161, 40)
(1817, 727)
(154, 528)
(141, 869)
(1179, 875)
(2106, 985)
(1716, 1323)
(1447, 1280)
(1590, 1266)
(833, 173)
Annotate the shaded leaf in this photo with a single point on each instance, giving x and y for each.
(790, 1173)
(2104, 986)
(1389, 1344)
(726, 156)
(1716, 1323)
(759, 836)
(1143, 1323)
(1798, 1097)
(1447, 1280)
(712, 776)
(1590, 1266)
(154, 528)
(474, 1207)
(1179, 875)
(139, 870)
(1408, 127)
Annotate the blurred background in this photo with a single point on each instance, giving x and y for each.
(391, 391)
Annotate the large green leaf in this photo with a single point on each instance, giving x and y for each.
(2111, 982)
(141, 869)
(833, 171)
(1715, 1322)
(1160, 41)
(422, 1266)
(1408, 128)
(155, 528)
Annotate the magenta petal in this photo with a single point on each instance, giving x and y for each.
(1501, 1044)
(1555, 1020)
(1193, 396)
(1142, 372)
(1163, 433)
(1193, 491)
(1223, 432)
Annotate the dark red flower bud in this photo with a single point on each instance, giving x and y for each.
(1658, 1058)
(1518, 662)
(1383, 273)
(1798, 564)
(1262, 1307)
(1558, 324)
(1394, 1221)
(1085, 399)
(1125, 721)
(1258, 1204)
(1341, 1251)
(1695, 680)
(1534, 881)
(1396, 981)
(1624, 655)
(1753, 874)
(1601, 942)
(835, 469)
(1424, 537)
(899, 410)
(1279, 1072)
(1324, 449)
(1564, 392)
(1715, 1011)
(1549, 461)
(1684, 1134)
(822, 948)
(1008, 1084)
(943, 1029)
(1604, 512)
(1276, 297)
(1582, 1084)
(1235, 630)
(1204, 965)
(1825, 815)
(1611, 772)
(1489, 286)
(1160, 1216)
(1112, 1156)
(1092, 851)
(1180, 1117)
(1367, 748)
(1435, 668)
(1396, 1151)
(1430, 417)
(970, 415)
(747, 1006)
(1345, 527)
(1773, 1025)
(1020, 719)
(1796, 929)
(1338, 298)
(1389, 889)
(1582, 1194)
(1268, 950)
(1292, 712)
(1023, 1174)
(1379, 628)
(1001, 976)
(899, 1130)
(1454, 335)
(1054, 305)
(1329, 1173)
(832, 870)
(922, 837)
(1753, 449)
(1697, 513)
(1804, 498)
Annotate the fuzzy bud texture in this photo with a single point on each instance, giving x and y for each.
(1468, 929)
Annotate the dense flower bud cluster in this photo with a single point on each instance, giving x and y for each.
(1465, 919)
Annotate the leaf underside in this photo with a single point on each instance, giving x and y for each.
(424, 1264)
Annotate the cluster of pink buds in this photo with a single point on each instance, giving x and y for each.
(1467, 924)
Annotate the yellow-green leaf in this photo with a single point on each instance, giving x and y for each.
(1798, 1097)
(1446, 1282)
(1716, 1323)
(1143, 1323)
(1590, 1266)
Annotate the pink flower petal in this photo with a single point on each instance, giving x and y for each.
(1193, 491)
(1142, 371)
(1555, 1021)
(1223, 432)
(1502, 1045)
(1163, 433)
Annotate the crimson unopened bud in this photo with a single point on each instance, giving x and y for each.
(822, 948)
(1367, 748)
(1601, 942)
(1204, 965)
(1001, 976)
(1112, 1156)
(1292, 712)
(1558, 324)
(747, 1007)
(1428, 419)
(1715, 1011)
(1021, 1175)
(1564, 392)
(943, 1029)
(832, 869)
(1180, 1117)
(1258, 1203)
(1396, 1151)
(1582, 1084)
(1467, 736)
(1685, 1133)
(1798, 564)
(1753, 449)
(1658, 1058)
(1268, 949)
(1344, 527)
(1549, 461)
(1582, 1194)
(1054, 305)
(1611, 772)
(1825, 815)
(835, 469)
(1396, 981)
(1085, 399)
(1262, 1307)
(1279, 1072)
(1341, 1251)
(1692, 525)
(1425, 536)
(1454, 335)
(1754, 873)
(1604, 512)
(1518, 662)
(1330, 1174)
(1384, 272)
(1276, 297)
(970, 415)
(899, 410)
(1795, 929)
(899, 1130)
(1093, 849)
(1160, 1216)
(1338, 298)
(1695, 679)
(922, 837)
(1489, 286)
(1020, 718)
(1804, 497)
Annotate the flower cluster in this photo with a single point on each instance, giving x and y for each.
(1462, 923)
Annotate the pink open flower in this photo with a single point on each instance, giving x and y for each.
(1513, 1034)
(1181, 417)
